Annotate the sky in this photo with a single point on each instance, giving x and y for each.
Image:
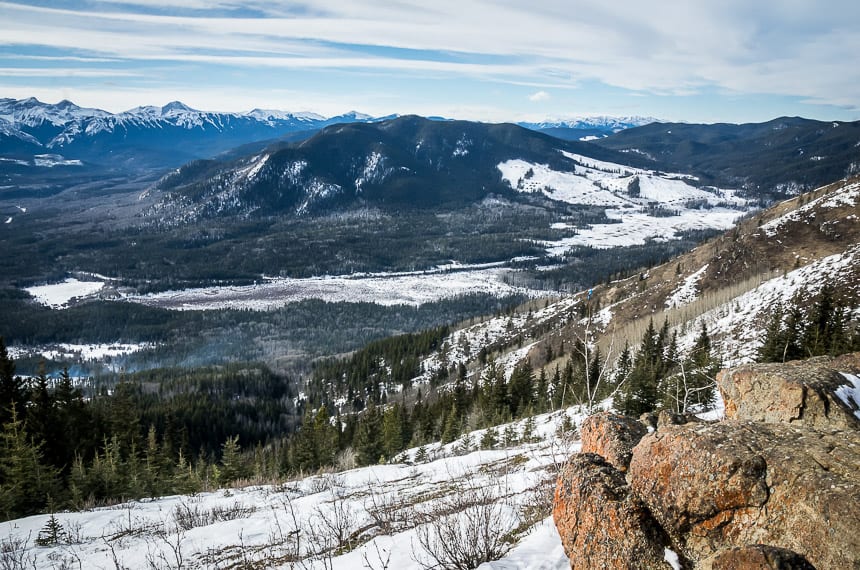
(503, 60)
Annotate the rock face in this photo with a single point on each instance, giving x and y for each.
(800, 392)
(612, 437)
(777, 486)
(601, 523)
(738, 483)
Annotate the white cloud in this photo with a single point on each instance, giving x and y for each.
(539, 96)
(771, 47)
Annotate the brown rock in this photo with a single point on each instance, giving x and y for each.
(756, 557)
(601, 524)
(611, 436)
(800, 392)
(738, 483)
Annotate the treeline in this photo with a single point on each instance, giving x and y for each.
(809, 325)
(156, 433)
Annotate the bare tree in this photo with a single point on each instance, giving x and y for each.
(466, 529)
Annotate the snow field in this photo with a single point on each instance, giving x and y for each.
(375, 517)
(850, 393)
(599, 183)
(384, 289)
(59, 295)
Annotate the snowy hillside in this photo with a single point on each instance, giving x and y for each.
(643, 204)
(405, 515)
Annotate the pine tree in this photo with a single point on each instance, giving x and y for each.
(521, 389)
(232, 466)
(392, 431)
(12, 389)
(26, 481)
(367, 442)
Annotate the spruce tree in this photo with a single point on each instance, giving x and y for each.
(26, 482)
(367, 442)
(13, 392)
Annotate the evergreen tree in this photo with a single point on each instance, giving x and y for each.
(233, 466)
(639, 393)
(392, 431)
(26, 481)
(521, 389)
(13, 393)
(367, 442)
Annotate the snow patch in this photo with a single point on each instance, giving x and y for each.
(850, 393)
(59, 295)
(686, 292)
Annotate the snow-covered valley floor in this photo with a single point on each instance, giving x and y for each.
(384, 516)
(384, 289)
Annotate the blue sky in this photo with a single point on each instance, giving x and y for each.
(505, 60)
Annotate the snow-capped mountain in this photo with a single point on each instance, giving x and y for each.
(588, 128)
(606, 123)
(142, 137)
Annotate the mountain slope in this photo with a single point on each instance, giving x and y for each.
(408, 161)
(781, 157)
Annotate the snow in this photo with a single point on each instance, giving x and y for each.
(739, 323)
(847, 195)
(671, 557)
(258, 523)
(52, 160)
(850, 393)
(413, 288)
(93, 351)
(636, 228)
(59, 295)
(686, 292)
(599, 183)
(540, 550)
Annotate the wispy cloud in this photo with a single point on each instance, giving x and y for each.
(669, 49)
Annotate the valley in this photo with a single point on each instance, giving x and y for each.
(423, 306)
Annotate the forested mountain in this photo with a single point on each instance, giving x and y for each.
(778, 158)
(404, 162)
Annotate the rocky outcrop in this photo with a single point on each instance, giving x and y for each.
(601, 523)
(756, 557)
(612, 437)
(775, 487)
(738, 483)
(800, 392)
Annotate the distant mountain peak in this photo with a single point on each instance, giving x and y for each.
(176, 106)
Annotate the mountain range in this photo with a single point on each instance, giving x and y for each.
(168, 136)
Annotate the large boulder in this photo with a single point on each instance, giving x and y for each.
(602, 525)
(611, 436)
(800, 392)
(740, 483)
